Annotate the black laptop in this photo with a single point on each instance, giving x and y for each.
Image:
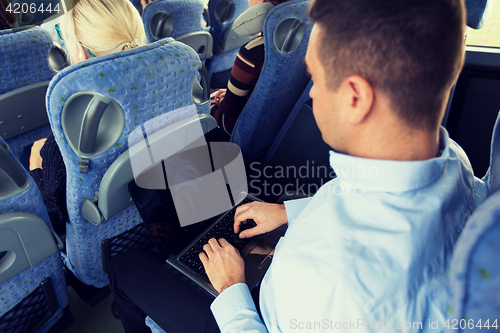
(180, 246)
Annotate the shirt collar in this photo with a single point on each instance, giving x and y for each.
(364, 174)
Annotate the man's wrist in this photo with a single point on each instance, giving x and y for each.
(231, 285)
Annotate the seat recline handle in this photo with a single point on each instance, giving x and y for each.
(287, 44)
(161, 26)
(90, 125)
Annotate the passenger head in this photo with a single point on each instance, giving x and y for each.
(410, 50)
(252, 3)
(101, 27)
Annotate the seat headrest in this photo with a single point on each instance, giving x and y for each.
(251, 22)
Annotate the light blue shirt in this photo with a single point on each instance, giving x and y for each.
(369, 251)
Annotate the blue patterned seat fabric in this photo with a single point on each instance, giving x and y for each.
(282, 81)
(223, 62)
(23, 58)
(187, 16)
(145, 82)
(23, 62)
(16, 289)
(474, 272)
(29, 15)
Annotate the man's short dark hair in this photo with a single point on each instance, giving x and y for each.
(412, 50)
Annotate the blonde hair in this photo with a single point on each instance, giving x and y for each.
(102, 26)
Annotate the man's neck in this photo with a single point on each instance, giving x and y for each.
(397, 143)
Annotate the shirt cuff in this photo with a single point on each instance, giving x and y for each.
(295, 207)
(235, 298)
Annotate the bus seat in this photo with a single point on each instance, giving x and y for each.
(32, 283)
(222, 14)
(478, 12)
(18, 191)
(30, 60)
(283, 79)
(298, 149)
(93, 107)
(181, 20)
(33, 12)
(474, 272)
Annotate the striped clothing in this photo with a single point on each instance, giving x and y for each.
(244, 76)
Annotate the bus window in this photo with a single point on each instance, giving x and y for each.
(489, 35)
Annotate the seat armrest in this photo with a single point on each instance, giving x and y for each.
(26, 239)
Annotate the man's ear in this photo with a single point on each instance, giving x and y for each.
(361, 98)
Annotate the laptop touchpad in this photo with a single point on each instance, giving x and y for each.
(261, 254)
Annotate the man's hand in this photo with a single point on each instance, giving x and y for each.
(223, 264)
(267, 217)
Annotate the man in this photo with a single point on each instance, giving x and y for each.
(370, 250)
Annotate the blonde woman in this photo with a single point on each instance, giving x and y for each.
(90, 29)
(98, 27)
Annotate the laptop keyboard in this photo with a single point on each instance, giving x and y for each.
(223, 229)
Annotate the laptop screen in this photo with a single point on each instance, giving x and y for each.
(158, 212)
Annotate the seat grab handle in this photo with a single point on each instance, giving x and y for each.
(90, 125)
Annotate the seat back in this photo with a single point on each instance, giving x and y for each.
(222, 14)
(172, 18)
(299, 145)
(474, 271)
(93, 107)
(282, 80)
(32, 282)
(179, 19)
(28, 61)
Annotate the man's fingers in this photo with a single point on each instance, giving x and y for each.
(208, 249)
(240, 217)
(213, 244)
(204, 259)
(223, 243)
(251, 232)
(241, 209)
